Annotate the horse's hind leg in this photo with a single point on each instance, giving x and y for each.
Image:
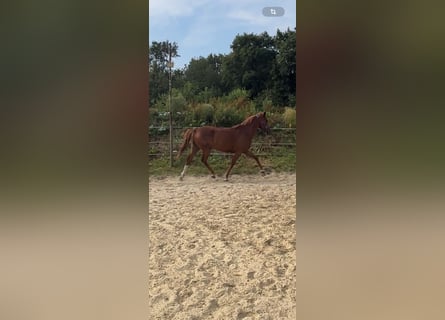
(251, 155)
(189, 160)
(205, 156)
(234, 159)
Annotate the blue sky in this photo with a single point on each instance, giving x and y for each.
(201, 27)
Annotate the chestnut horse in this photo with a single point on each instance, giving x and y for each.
(236, 140)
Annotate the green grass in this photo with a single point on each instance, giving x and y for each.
(282, 160)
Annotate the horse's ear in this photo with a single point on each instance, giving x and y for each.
(264, 114)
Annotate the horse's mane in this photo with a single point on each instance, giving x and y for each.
(247, 121)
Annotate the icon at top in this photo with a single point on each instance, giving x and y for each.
(273, 11)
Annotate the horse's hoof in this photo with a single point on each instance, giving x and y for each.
(213, 177)
(263, 173)
(181, 178)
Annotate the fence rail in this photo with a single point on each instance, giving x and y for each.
(184, 128)
(261, 145)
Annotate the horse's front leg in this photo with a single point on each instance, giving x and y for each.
(234, 159)
(251, 155)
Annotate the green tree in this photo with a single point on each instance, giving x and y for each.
(159, 53)
(204, 74)
(249, 64)
(284, 68)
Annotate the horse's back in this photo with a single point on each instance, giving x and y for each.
(221, 139)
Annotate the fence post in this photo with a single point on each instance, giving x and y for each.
(170, 120)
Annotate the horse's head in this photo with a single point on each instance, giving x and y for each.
(263, 122)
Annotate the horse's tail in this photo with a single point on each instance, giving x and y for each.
(188, 139)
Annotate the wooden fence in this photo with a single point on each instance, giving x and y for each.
(280, 139)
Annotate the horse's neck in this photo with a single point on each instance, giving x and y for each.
(251, 128)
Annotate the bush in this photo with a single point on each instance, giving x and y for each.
(267, 104)
(289, 117)
(275, 120)
(203, 113)
(239, 102)
(157, 131)
(178, 102)
(153, 116)
(238, 94)
(227, 117)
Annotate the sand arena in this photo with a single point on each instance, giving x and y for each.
(222, 250)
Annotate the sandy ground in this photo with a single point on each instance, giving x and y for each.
(222, 250)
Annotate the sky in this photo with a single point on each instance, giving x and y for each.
(201, 27)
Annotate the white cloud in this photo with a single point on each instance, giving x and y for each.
(173, 8)
(247, 16)
(204, 26)
(254, 19)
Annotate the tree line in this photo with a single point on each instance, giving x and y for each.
(222, 89)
